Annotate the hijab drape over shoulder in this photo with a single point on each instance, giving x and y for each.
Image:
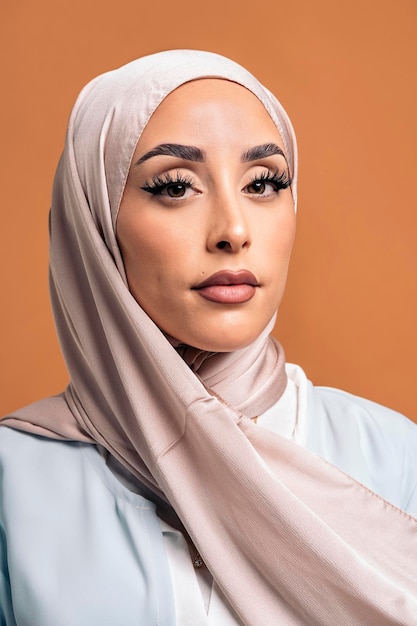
(289, 538)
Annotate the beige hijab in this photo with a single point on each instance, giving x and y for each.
(288, 538)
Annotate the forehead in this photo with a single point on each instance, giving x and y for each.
(210, 110)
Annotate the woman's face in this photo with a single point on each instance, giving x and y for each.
(206, 223)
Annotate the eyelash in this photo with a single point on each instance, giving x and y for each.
(277, 180)
(159, 184)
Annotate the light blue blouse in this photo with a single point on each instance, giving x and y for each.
(78, 548)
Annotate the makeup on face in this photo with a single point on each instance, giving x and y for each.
(228, 287)
(206, 222)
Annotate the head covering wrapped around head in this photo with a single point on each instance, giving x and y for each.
(113, 110)
(118, 360)
(252, 502)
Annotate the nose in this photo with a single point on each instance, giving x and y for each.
(229, 228)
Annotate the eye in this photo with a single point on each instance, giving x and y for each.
(175, 190)
(168, 186)
(258, 187)
(267, 183)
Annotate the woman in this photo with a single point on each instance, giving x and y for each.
(185, 476)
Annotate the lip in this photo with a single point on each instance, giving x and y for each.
(228, 287)
(229, 277)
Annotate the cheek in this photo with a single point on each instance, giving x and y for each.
(285, 238)
(152, 258)
(139, 255)
(278, 238)
(137, 245)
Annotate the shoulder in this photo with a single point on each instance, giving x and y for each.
(35, 471)
(41, 469)
(59, 504)
(340, 411)
(24, 455)
(374, 444)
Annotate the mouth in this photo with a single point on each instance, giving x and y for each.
(228, 287)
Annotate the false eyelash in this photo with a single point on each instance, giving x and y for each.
(279, 180)
(159, 183)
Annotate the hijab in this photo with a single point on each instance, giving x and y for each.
(282, 532)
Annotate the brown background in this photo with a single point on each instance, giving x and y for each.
(345, 71)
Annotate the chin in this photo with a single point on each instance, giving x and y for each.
(228, 332)
(222, 341)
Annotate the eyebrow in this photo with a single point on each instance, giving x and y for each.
(261, 152)
(188, 153)
(192, 153)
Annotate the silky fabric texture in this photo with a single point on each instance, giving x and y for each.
(288, 538)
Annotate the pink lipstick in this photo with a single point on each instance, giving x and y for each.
(228, 287)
